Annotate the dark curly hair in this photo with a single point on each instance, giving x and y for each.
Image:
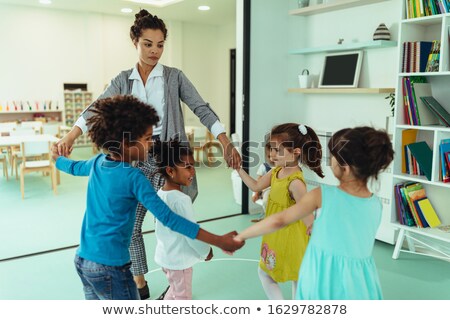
(366, 150)
(145, 20)
(119, 118)
(169, 154)
(309, 143)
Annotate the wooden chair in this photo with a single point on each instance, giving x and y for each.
(5, 168)
(16, 153)
(207, 146)
(41, 147)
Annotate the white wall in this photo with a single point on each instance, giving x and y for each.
(44, 48)
(206, 64)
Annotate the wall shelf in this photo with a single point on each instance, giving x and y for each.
(375, 44)
(32, 111)
(342, 90)
(328, 7)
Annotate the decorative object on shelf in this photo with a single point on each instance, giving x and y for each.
(304, 79)
(382, 33)
(340, 40)
(303, 3)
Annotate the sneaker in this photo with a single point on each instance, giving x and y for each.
(161, 297)
(144, 292)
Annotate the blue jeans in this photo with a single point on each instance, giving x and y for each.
(101, 282)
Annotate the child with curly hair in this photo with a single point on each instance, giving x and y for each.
(122, 126)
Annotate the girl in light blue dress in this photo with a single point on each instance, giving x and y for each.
(338, 262)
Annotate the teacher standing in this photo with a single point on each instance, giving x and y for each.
(162, 87)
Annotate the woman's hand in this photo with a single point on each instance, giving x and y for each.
(230, 153)
(64, 146)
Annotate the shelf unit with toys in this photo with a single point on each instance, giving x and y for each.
(430, 241)
(46, 111)
(75, 102)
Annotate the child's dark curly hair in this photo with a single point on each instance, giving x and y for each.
(169, 154)
(119, 118)
(366, 150)
(145, 20)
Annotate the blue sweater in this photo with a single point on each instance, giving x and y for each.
(114, 190)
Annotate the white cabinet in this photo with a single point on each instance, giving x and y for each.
(75, 102)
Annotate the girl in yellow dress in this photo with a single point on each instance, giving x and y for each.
(291, 144)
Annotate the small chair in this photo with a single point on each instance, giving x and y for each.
(41, 147)
(36, 147)
(5, 168)
(206, 146)
(15, 152)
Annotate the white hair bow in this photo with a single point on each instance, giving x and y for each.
(302, 129)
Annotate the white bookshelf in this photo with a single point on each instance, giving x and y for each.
(424, 241)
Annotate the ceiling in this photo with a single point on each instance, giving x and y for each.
(222, 11)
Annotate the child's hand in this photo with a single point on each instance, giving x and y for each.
(228, 242)
(228, 252)
(309, 230)
(255, 196)
(55, 154)
(210, 255)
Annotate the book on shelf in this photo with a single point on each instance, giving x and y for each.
(421, 8)
(423, 156)
(442, 115)
(408, 136)
(444, 153)
(413, 206)
(433, 57)
(416, 55)
(416, 112)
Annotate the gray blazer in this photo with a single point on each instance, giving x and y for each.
(176, 87)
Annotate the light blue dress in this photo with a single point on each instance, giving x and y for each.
(338, 263)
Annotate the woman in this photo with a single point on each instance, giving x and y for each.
(162, 87)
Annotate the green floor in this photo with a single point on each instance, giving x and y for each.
(44, 222)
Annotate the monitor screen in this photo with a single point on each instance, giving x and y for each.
(341, 70)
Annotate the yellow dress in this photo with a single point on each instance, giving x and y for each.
(282, 251)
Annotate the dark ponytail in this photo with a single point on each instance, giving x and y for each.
(366, 150)
(145, 20)
(308, 142)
